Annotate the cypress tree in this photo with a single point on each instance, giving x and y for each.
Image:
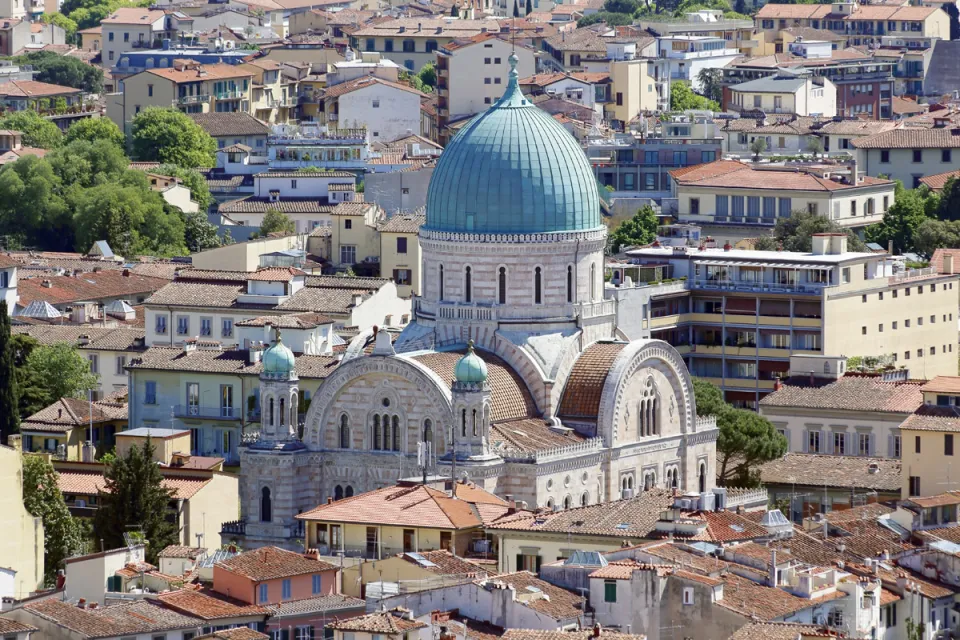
(9, 392)
(529, 7)
(516, 9)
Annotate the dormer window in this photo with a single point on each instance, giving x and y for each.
(274, 196)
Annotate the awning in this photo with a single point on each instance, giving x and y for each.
(773, 265)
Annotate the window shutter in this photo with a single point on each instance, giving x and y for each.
(806, 442)
(890, 451)
(872, 444)
(310, 629)
(829, 437)
(786, 434)
(285, 634)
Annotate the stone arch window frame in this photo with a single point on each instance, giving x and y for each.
(593, 282)
(440, 281)
(503, 283)
(703, 468)
(394, 410)
(551, 504)
(571, 285)
(467, 291)
(294, 408)
(568, 502)
(344, 435)
(428, 433)
(585, 499)
(267, 403)
(338, 493)
(538, 284)
(265, 497)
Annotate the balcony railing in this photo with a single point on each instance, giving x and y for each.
(229, 94)
(766, 287)
(234, 528)
(200, 411)
(193, 99)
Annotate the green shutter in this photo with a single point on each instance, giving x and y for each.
(610, 591)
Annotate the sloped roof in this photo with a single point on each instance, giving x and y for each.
(364, 82)
(848, 472)
(125, 619)
(68, 413)
(851, 393)
(380, 622)
(912, 138)
(584, 386)
(271, 563)
(208, 607)
(937, 182)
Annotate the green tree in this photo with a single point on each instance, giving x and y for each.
(516, 9)
(69, 26)
(9, 397)
(795, 232)
(639, 230)
(901, 220)
(62, 535)
(933, 234)
(710, 84)
(170, 136)
(199, 234)
(948, 207)
(86, 164)
(135, 500)
(682, 98)
(428, 75)
(628, 7)
(275, 221)
(64, 70)
(745, 440)
(37, 131)
(227, 238)
(815, 147)
(55, 371)
(33, 210)
(758, 146)
(529, 7)
(610, 19)
(93, 129)
(191, 179)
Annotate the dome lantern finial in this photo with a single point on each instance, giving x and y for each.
(278, 359)
(470, 369)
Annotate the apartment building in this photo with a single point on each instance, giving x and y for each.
(740, 315)
(400, 256)
(782, 135)
(169, 54)
(786, 93)
(22, 543)
(460, 66)
(190, 87)
(274, 96)
(928, 440)
(688, 55)
(130, 28)
(865, 82)
(734, 199)
(910, 153)
(19, 34)
(706, 22)
(387, 110)
(43, 97)
(860, 24)
(413, 42)
(235, 128)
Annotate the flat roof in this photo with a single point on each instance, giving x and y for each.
(760, 258)
(154, 432)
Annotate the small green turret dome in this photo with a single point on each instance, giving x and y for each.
(470, 368)
(278, 359)
(513, 169)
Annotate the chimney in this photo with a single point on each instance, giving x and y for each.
(597, 630)
(329, 499)
(311, 554)
(948, 263)
(727, 246)
(777, 385)
(773, 567)
(890, 247)
(126, 273)
(82, 603)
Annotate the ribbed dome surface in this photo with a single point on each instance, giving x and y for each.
(513, 169)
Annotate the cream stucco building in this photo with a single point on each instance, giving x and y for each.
(511, 373)
(22, 542)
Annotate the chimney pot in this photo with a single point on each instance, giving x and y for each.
(597, 630)
(727, 246)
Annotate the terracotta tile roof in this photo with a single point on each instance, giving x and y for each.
(116, 620)
(797, 126)
(634, 518)
(228, 361)
(857, 127)
(271, 563)
(403, 223)
(68, 413)
(275, 274)
(584, 634)
(8, 626)
(237, 633)
(299, 321)
(257, 204)
(780, 631)
(728, 173)
(942, 384)
(905, 106)
(445, 563)
(793, 11)
(364, 82)
(584, 386)
(888, 597)
(677, 554)
(92, 483)
(728, 526)
(208, 607)
(320, 604)
(180, 551)
(322, 300)
(400, 506)
(853, 393)
(933, 418)
(912, 138)
(696, 577)
(946, 498)
(34, 89)
(623, 569)
(578, 40)
(509, 394)
(867, 538)
(937, 182)
(542, 79)
(381, 622)
(849, 472)
(526, 435)
(560, 604)
(132, 15)
(86, 287)
(206, 72)
(749, 598)
(212, 275)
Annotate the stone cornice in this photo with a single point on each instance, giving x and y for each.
(429, 237)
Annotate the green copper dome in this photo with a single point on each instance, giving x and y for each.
(470, 368)
(278, 359)
(513, 169)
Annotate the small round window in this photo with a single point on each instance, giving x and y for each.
(386, 402)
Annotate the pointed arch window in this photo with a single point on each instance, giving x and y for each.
(377, 434)
(282, 415)
(538, 286)
(463, 423)
(338, 493)
(702, 477)
(344, 432)
(396, 433)
(593, 282)
(569, 284)
(468, 285)
(348, 493)
(502, 286)
(428, 430)
(441, 283)
(475, 432)
(266, 505)
(270, 420)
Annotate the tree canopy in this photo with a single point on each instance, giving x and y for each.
(428, 75)
(37, 131)
(902, 219)
(746, 438)
(683, 98)
(170, 136)
(275, 221)
(9, 389)
(93, 129)
(51, 372)
(62, 535)
(135, 500)
(795, 233)
(199, 234)
(710, 86)
(639, 230)
(64, 70)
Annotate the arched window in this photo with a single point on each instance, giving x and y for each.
(567, 502)
(338, 493)
(502, 286)
(629, 482)
(349, 492)
(396, 433)
(537, 286)
(281, 416)
(266, 506)
(427, 430)
(550, 504)
(270, 420)
(584, 499)
(475, 423)
(569, 284)
(463, 423)
(386, 433)
(377, 434)
(467, 285)
(409, 46)
(702, 479)
(441, 283)
(344, 432)
(294, 408)
(431, 46)
(593, 282)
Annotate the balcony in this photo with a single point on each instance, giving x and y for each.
(193, 99)
(191, 411)
(757, 287)
(229, 94)
(234, 528)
